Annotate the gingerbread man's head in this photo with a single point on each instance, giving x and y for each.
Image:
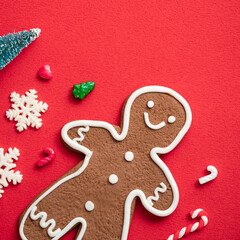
(156, 116)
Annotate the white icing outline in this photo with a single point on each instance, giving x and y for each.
(119, 137)
(44, 223)
(71, 225)
(80, 133)
(158, 190)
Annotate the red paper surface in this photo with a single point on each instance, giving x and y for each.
(189, 46)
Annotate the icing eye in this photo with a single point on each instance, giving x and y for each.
(150, 104)
(171, 119)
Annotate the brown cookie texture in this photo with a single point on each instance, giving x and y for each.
(105, 221)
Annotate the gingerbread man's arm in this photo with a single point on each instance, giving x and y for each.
(173, 186)
(82, 135)
(147, 201)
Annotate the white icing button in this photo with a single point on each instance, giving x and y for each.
(89, 206)
(150, 104)
(171, 119)
(129, 156)
(113, 179)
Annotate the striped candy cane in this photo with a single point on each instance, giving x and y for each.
(191, 227)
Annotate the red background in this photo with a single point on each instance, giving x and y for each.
(190, 46)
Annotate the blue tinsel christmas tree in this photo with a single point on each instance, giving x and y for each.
(13, 43)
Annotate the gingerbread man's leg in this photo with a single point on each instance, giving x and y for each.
(47, 218)
(38, 230)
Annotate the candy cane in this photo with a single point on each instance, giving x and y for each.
(191, 227)
(211, 176)
(48, 159)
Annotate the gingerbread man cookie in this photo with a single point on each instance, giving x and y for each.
(121, 163)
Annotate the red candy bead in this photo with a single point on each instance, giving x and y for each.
(45, 72)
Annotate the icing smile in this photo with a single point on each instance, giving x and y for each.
(152, 126)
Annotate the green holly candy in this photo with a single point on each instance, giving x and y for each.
(82, 90)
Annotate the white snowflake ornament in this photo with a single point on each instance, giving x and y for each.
(6, 165)
(26, 110)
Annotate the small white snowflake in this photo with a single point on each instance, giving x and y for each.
(6, 164)
(26, 110)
